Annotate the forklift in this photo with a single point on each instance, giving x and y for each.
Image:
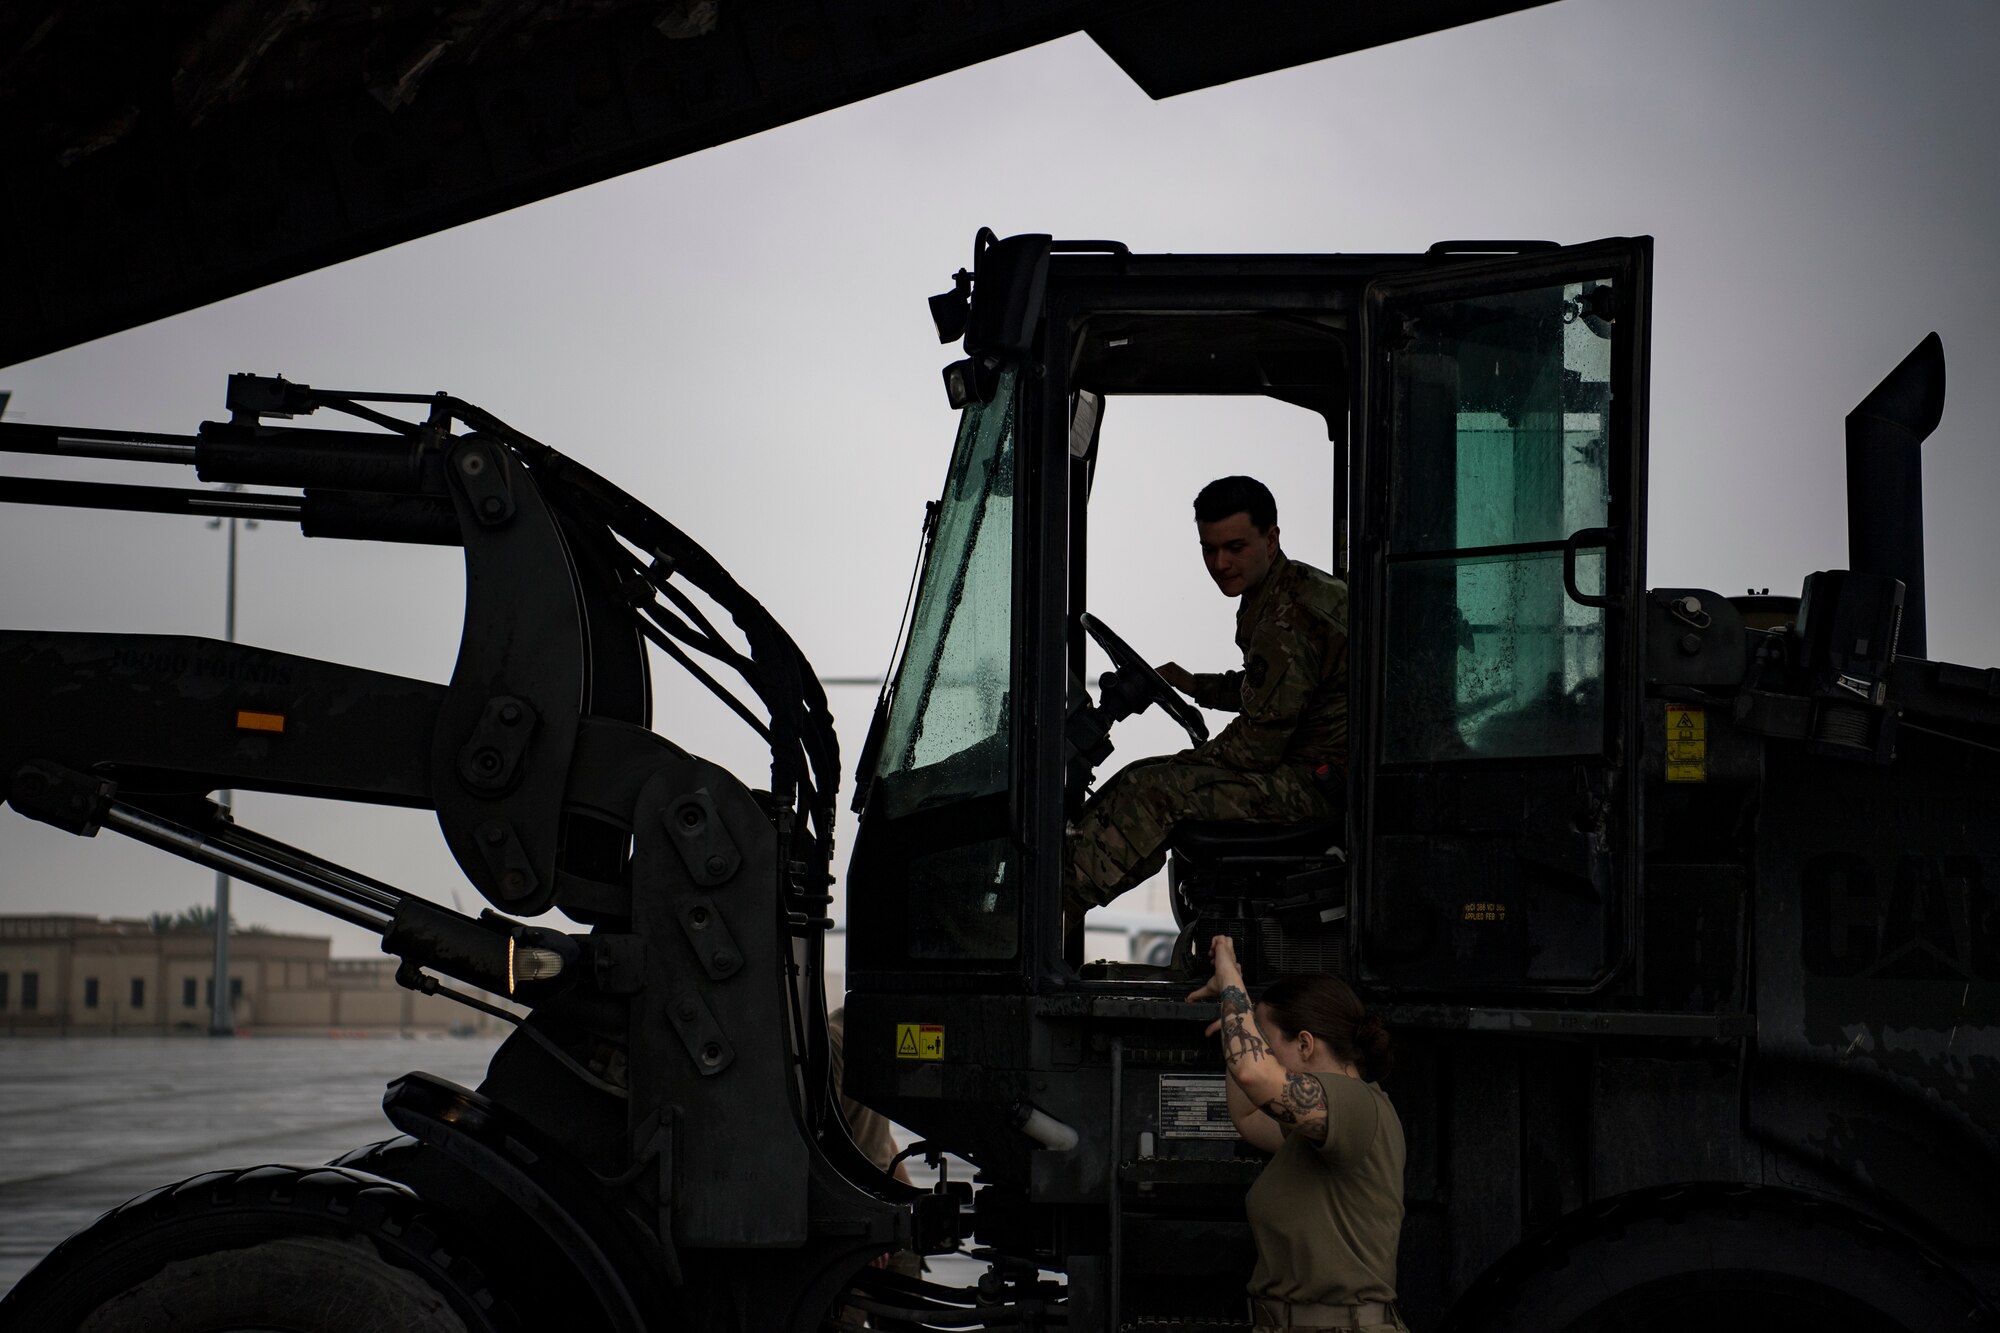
(1682, 907)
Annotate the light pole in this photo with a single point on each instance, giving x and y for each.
(222, 1013)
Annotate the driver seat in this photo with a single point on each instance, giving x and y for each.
(1278, 890)
(1217, 840)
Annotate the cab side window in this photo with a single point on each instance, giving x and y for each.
(1501, 409)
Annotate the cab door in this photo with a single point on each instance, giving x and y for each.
(1500, 549)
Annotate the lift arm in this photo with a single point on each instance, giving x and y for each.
(706, 900)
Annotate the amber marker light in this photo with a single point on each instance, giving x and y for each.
(249, 721)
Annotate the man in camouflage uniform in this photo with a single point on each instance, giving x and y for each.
(1290, 699)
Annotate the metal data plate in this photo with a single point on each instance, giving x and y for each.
(1194, 1106)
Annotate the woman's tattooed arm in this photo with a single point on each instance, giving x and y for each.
(1296, 1101)
(1242, 1039)
(1300, 1108)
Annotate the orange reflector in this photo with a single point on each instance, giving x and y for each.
(249, 721)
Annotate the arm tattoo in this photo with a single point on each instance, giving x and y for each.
(1300, 1107)
(1242, 1040)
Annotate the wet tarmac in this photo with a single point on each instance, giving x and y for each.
(88, 1123)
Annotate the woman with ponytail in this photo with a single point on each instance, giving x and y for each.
(1327, 1211)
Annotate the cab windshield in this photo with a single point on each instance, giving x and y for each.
(946, 739)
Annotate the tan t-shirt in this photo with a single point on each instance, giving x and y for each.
(1327, 1216)
(869, 1127)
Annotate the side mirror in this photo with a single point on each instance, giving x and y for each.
(997, 307)
(1009, 279)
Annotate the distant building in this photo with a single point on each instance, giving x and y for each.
(78, 975)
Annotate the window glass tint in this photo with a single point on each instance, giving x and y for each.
(1489, 658)
(964, 902)
(1502, 412)
(1502, 403)
(947, 733)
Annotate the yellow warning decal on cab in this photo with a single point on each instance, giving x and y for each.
(920, 1041)
(1687, 743)
(249, 721)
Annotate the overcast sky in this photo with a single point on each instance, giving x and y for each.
(740, 338)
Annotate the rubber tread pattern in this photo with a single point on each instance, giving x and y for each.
(333, 1200)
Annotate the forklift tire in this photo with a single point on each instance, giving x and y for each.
(305, 1249)
(1722, 1259)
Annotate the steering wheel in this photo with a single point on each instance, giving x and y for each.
(1149, 686)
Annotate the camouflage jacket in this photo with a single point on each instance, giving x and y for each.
(1291, 695)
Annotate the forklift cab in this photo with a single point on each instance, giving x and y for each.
(1483, 408)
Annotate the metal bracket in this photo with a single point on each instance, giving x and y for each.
(708, 935)
(491, 759)
(500, 847)
(74, 802)
(700, 1033)
(485, 482)
(705, 846)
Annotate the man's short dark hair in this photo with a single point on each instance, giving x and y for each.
(1236, 495)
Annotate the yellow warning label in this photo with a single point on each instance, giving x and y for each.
(920, 1041)
(1687, 743)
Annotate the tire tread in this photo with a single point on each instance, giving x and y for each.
(334, 1200)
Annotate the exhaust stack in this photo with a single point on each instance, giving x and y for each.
(1885, 480)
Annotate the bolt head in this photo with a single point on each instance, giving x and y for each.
(1690, 644)
(491, 506)
(510, 713)
(717, 864)
(722, 960)
(494, 834)
(687, 1011)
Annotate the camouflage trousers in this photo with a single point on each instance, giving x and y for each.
(1121, 836)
